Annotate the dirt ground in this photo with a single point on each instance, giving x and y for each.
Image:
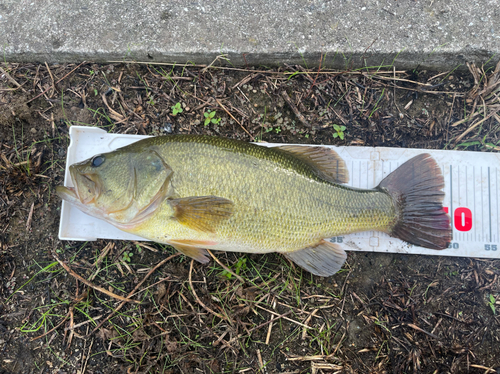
(383, 313)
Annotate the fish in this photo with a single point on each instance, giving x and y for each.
(197, 192)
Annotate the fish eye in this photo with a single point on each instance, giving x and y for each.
(97, 161)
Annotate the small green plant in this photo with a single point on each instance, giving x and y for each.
(209, 117)
(238, 267)
(339, 131)
(127, 256)
(491, 303)
(176, 109)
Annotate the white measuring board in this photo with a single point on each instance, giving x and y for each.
(472, 184)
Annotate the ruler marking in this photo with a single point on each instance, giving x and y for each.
(352, 168)
(489, 200)
(482, 204)
(459, 238)
(474, 190)
(451, 196)
(466, 188)
(466, 193)
(359, 172)
(367, 176)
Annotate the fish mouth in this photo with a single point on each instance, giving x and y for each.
(87, 185)
(73, 196)
(86, 191)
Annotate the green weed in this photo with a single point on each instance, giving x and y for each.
(491, 303)
(238, 267)
(339, 131)
(210, 118)
(176, 109)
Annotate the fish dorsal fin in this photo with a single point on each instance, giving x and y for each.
(199, 254)
(323, 259)
(326, 162)
(202, 213)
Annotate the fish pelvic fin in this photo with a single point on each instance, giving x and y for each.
(325, 161)
(323, 259)
(198, 254)
(416, 189)
(202, 213)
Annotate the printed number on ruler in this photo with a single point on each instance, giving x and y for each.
(462, 218)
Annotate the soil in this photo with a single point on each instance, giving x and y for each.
(383, 313)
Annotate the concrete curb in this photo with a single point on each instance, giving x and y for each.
(429, 34)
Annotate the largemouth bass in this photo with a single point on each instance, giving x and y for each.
(198, 192)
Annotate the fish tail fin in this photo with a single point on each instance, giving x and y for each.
(416, 189)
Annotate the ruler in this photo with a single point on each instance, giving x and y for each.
(471, 195)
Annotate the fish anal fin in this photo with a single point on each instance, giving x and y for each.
(199, 254)
(325, 161)
(202, 213)
(323, 259)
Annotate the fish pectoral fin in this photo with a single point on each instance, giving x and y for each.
(202, 213)
(323, 259)
(199, 254)
(325, 161)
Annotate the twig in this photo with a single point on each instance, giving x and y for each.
(97, 288)
(488, 370)
(146, 246)
(103, 254)
(269, 331)
(397, 79)
(316, 77)
(51, 77)
(82, 323)
(476, 125)
(238, 122)
(30, 216)
(88, 356)
(283, 316)
(245, 80)
(134, 290)
(324, 365)
(225, 267)
(246, 70)
(292, 106)
(198, 299)
(421, 330)
(304, 332)
(52, 329)
(259, 357)
(113, 113)
(309, 358)
(40, 94)
(223, 56)
(271, 320)
(12, 80)
(465, 119)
